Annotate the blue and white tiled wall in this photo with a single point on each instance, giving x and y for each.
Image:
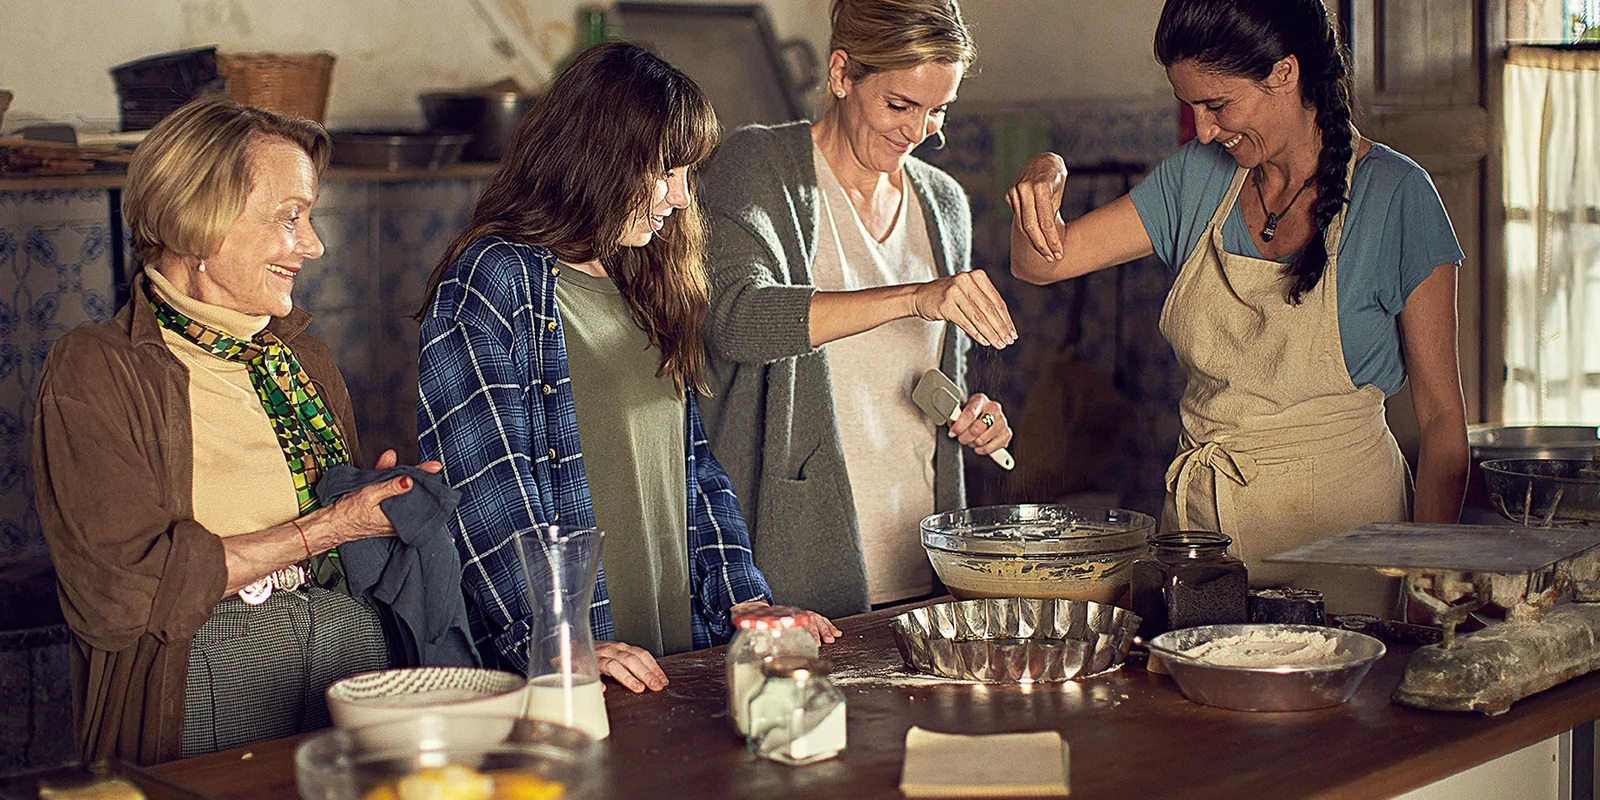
(382, 239)
(1118, 337)
(55, 274)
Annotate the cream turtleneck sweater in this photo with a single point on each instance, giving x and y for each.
(241, 481)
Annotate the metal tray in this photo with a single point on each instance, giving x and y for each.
(1015, 639)
(395, 150)
(1503, 549)
(729, 50)
(1489, 442)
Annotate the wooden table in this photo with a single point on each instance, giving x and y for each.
(1131, 735)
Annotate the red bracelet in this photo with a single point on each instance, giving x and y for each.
(296, 524)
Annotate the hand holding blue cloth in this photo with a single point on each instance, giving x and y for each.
(416, 574)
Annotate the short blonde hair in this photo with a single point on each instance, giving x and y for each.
(189, 178)
(883, 35)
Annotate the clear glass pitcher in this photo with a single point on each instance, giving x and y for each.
(560, 565)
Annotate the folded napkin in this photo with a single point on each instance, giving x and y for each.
(991, 765)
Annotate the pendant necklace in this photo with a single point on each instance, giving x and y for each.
(1271, 228)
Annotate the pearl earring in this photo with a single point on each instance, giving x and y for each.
(839, 93)
(202, 266)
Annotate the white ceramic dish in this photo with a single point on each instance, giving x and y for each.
(399, 694)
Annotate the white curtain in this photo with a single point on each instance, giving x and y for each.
(1552, 197)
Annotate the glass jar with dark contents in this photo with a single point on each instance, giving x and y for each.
(1188, 579)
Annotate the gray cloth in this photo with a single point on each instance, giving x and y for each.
(262, 672)
(770, 417)
(417, 574)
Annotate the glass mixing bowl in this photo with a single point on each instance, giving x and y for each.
(1045, 551)
(448, 757)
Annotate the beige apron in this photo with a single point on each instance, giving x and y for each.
(1279, 448)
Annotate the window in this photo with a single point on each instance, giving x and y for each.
(1552, 196)
(1584, 17)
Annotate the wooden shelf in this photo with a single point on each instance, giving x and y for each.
(115, 180)
(464, 170)
(100, 180)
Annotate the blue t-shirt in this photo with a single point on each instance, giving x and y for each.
(1396, 233)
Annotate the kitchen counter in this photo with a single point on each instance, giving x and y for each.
(1131, 734)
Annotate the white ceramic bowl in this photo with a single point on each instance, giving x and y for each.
(400, 694)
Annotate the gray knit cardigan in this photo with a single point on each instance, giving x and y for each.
(771, 418)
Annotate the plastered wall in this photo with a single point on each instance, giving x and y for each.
(54, 54)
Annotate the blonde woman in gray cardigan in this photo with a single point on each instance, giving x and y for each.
(838, 264)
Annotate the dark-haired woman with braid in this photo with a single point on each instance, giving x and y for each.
(1316, 273)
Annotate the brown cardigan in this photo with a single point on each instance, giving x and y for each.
(138, 577)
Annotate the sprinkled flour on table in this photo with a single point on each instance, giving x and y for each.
(888, 675)
(1275, 649)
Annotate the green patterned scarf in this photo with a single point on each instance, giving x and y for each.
(306, 429)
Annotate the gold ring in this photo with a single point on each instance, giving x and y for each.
(988, 419)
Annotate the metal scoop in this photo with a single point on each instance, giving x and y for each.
(940, 398)
(1166, 652)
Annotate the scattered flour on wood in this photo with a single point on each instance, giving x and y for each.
(1275, 649)
(888, 675)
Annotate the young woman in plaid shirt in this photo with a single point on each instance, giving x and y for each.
(578, 285)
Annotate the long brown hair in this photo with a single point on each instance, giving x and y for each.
(582, 164)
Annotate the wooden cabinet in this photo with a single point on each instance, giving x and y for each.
(1427, 83)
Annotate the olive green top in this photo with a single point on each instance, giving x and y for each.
(631, 427)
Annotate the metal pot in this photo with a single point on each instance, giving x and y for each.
(1533, 441)
(491, 118)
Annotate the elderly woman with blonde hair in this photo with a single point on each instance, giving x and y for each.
(176, 451)
(838, 262)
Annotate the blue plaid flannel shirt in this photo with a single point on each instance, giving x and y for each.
(496, 408)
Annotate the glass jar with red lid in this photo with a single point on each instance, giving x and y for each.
(762, 633)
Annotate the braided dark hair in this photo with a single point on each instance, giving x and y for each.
(1245, 38)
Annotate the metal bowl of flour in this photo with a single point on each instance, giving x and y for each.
(1289, 685)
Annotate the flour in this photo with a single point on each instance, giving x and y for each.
(889, 675)
(1275, 649)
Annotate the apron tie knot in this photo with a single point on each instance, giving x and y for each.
(1238, 467)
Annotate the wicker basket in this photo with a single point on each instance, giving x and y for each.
(292, 84)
